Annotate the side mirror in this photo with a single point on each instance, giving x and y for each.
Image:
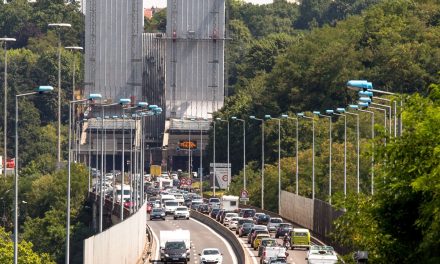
(200, 254)
(307, 258)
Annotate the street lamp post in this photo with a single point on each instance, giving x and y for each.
(279, 159)
(355, 107)
(40, 90)
(91, 98)
(59, 26)
(5, 113)
(262, 158)
(341, 112)
(372, 137)
(123, 102)
(296, 149)
(244, 149)
(228, 164)
(329, 113)
(313, 151)
(214, 176)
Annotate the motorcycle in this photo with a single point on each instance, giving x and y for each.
(286, 242)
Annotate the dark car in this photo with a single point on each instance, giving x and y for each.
(219, 215)
(245, 229)
(157, 213)
(214, 212)
(175, 251)
(187, 202)
(241, 222)
(203, 208)
(283, 228)
(263, 219)
(253, 235)
(247, 213)
(266, 242)
(255, 227)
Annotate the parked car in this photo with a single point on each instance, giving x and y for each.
(247, 213)
(257, 229)
(219, 214)
(211, 255)
(242, 221)
(256, 217)
(203, 208)
(273, 224)
(263, 219)
(233, 223)
(157, 213)
(266, 242)
(227, 218)
(257, 240)
(214, 212)
(181, 212)
(245, 229)
(283, 228)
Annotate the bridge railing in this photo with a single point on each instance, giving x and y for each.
(122, 243)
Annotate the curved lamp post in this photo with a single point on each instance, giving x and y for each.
(39, 90)
(262, 158)
(269, 117)
(301, 115)
(59, 26)
(296, 147)
(356, 107)
(5, 113)
(365, 104)
(229, 168)
(328, 115)
(341, 112)
(92, 97)
(123, 102)
(244, 148)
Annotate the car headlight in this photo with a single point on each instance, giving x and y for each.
(162, 214)
(184, 255)
(166, 255)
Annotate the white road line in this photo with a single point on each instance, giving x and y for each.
(251, 254)
(156, 239)
(231, 252)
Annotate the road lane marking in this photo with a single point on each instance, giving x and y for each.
(231, 252)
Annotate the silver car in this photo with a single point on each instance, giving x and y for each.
(274, 223)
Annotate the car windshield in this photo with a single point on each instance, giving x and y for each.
(215, 210)
(276, 220)
(182, 209)
(285, 225)
(211, 252)
(269, 243)
(214, 200)
(171, 203)
(157, 210)
(175, 245)
(300, 234)
(248, 225)
(231, 214)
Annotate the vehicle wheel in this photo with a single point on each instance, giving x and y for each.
(292, 248)
(276, 236)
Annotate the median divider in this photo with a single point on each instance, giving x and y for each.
(224, 232)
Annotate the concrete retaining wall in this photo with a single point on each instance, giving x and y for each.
(122, 243)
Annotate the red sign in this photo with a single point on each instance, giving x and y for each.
(10, 163)
(244, 194)
(225, 178)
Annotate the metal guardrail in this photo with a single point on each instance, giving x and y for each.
(223, 231)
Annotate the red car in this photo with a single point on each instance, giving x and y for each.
(149, 207)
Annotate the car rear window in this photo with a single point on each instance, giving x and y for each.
(300, 234)
(276, 220)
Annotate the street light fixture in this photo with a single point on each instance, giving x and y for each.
(92, 97)
(59, 26)
(356, 107)
(296, 147)
(228, 164)
(302, 115)
(262, 158)
(39, 90)
(328, 115)
(341, 112)
(269, 117)
(5, 113)
(244, 148)
(123, 102)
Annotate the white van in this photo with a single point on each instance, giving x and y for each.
(170, 206)
(166, 197)
(127, 192)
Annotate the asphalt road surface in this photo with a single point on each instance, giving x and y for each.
(201, 237)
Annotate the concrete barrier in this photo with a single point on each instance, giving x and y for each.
(223, 231)
(122, 243)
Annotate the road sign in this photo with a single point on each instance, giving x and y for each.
(244, 199)
(244, 194)
(225, 178)
(188, 182)
(183, 181)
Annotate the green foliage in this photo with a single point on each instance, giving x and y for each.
(25, 253)
(157, 23)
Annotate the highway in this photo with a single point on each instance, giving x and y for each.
(201, 237)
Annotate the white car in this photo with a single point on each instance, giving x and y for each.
(228, 218)
(181, 212)
(233, 223)
(211, 255)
